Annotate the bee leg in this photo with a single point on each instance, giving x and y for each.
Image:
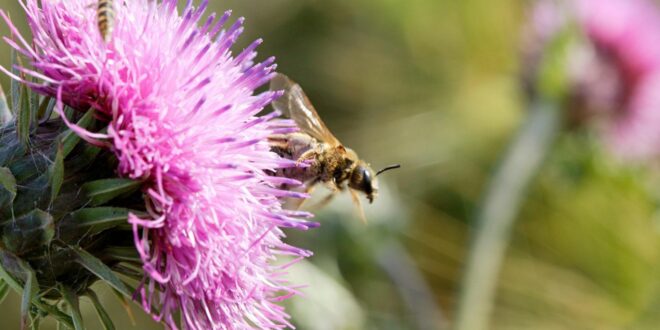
(322, 203)
(356, 201)
(298, 203)
(306, 156)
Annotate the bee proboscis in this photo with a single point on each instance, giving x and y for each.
(327, 160)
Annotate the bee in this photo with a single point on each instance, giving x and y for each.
(105, 16)
(325, 159)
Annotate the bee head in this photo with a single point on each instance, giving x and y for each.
(364, 179)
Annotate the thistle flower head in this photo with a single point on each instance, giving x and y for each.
(625, 32)
(182, 117)
(615, 73)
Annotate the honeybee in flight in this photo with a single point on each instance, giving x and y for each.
(326, 159)
(105, 16)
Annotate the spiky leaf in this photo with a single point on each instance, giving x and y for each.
(69, 112)
(15, 87)
(55, 313)
(5, 114)
(10, 270)
(103, 315)
(123, 300)
(129, 271)
(30, 291)
(72, 300)
(70, 139)
(4, 290)
(101, 191)
(46, 108)
(56, 173)
(24, 115)
(7, 187)
(13, 270)
(123, 253)
(99, 218)
(98, 268)
(34, 101)
(36, 320)
(10, 148)
(30, 231)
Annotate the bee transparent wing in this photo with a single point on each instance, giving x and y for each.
(294, 104)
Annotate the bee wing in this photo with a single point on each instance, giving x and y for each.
(294, 104)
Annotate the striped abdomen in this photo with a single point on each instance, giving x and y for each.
(106, 18)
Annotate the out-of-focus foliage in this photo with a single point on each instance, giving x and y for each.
(433, 85)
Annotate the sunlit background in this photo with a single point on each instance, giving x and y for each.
(435, 86)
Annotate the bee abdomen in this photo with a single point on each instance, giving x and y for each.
(106, 18)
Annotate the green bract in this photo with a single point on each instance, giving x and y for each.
(63, 212)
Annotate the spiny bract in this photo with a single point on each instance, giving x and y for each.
(63, 212)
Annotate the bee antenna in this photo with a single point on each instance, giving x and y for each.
(387, 168)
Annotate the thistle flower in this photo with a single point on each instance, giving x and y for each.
(625, 32)
(182, 118)
(615, 72)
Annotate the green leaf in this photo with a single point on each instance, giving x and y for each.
(72, 299)
(8, 259)
(56, 173)
(10, 149)
(124, 302)
(69, 138)
(15, 86)
(100, 218)
(56, 314)
(98, 268)
(8, 183)
(29, 293)
(69, 112)
(103, 315)
(30, 231)
(36, 315)
(46, 108)
(36, 321)
(122, 253)
(4, 290)
(5, 113)
(24, 115)
(129, 272)
(5, 274)
(34, 101)
(101, 191)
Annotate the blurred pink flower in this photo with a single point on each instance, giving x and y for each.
(615, 74)
(182, 117)
(626, 33)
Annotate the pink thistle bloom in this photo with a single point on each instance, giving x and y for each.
(182, 116)
(626, 33)
(617, 72)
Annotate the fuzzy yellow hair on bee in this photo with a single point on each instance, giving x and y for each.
(328, 160)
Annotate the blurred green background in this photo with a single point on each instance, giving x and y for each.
(434, 85)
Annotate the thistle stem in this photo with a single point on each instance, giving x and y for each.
(498, 210)
(402, 271)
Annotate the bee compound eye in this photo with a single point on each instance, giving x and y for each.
(366, 181)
